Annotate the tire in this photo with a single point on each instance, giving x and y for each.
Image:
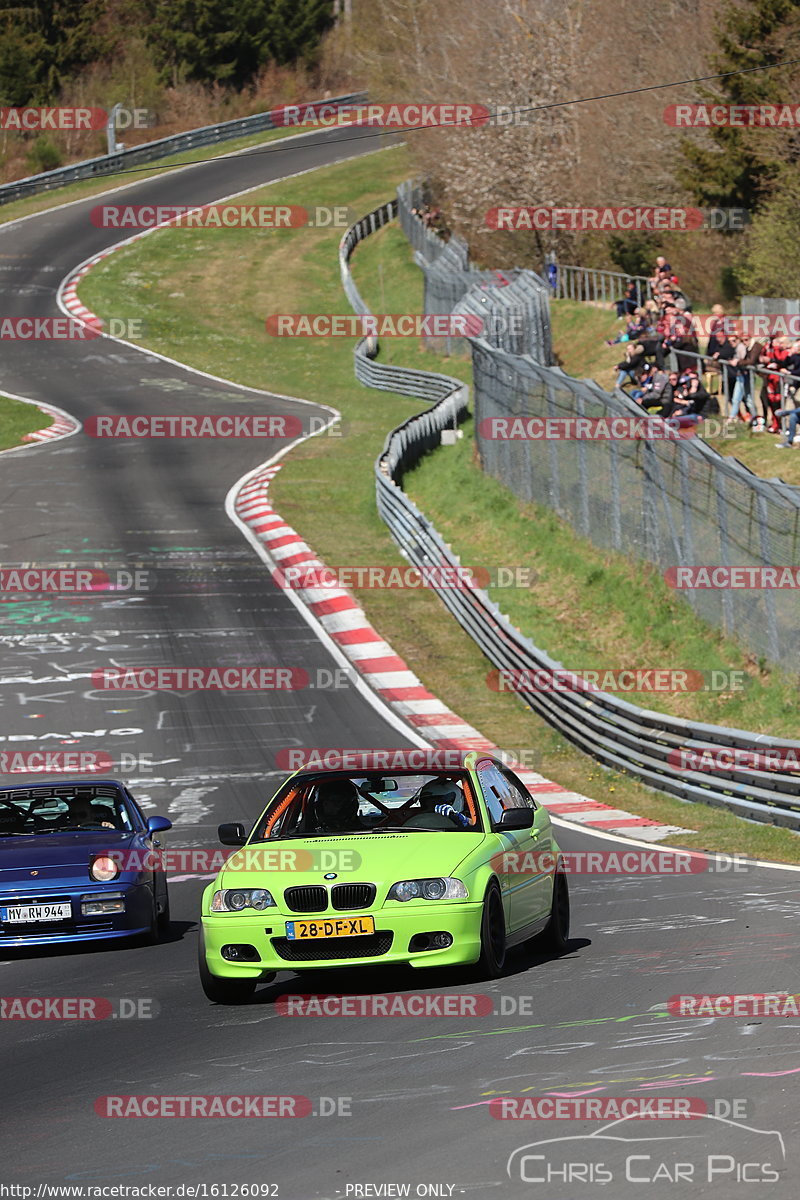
(555, 936)
(493, 935)
(218, 990)
(153, 934)
(163, 918)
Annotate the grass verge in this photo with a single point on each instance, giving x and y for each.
(17, 419)
(205, 293)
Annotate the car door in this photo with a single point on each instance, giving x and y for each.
(532, 894)
(514, 851)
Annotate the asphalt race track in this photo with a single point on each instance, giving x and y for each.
(408, 1097)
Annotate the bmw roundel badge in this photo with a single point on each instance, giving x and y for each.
(330, 875)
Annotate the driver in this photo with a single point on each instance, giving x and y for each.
(81, 812)
(441, 796)
(336, 806)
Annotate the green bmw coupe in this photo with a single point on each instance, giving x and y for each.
(342, 869)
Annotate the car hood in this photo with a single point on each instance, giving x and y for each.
(379, 858)
(55, 855)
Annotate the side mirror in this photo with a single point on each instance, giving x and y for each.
(158, 824)
(515, 818)
(232, 833)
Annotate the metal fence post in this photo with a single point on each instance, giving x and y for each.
(769, 598)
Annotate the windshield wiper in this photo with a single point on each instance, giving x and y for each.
(402, 829)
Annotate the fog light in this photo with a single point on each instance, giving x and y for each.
(429, 941)
(240, 953)
(98, 908)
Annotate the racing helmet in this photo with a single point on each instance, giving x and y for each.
(439, 791)
(336, 804)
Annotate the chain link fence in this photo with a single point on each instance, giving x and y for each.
(671, 502)
(514, 306)
(648, 745)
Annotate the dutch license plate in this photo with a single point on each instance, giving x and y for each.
(336, 927)
(23, 914)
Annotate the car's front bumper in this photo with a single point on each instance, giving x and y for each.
(135, 919)
(389, 945)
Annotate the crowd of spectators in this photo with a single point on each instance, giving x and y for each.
(731, 367)
(432, 218)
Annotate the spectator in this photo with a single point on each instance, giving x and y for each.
(716, 324)
(790, 368)
(661, 265)
(644, 383)
(637, 325)
(750, 360)
(740, 377)
(629, 368)
(665, 396)
(629, 302)
(721, 351)
(691, 399)
(773, 358)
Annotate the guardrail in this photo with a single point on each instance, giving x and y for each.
(107, 164)
(596, 286)
(617, 734)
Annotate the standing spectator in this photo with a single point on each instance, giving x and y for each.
(721, 351)
(751, 359)
(773, 358)
(789, 370)
(716, 324)
(741, 380)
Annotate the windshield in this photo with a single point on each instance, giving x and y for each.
(25, 811)
(330, 803)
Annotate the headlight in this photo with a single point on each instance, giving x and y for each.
(235, 900)
(428, 889)
(103, 868)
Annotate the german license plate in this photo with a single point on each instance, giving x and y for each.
(336, 927)
(24, 914)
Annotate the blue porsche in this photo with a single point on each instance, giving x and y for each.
(78, 864)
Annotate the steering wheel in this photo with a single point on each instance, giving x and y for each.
(428, 820)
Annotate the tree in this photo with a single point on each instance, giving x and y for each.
(46, 41)
(229, 41)
(736, 167)
(772, 255)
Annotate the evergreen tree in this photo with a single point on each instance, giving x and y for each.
(44, 42)
(739, 166)
(228, 41)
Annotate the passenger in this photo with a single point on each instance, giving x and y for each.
(441, 796)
